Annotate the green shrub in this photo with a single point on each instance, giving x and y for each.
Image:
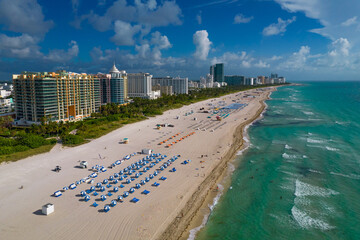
(70, 139)
(31, 140)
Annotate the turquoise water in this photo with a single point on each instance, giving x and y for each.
(300, 177)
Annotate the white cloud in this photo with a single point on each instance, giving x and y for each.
(124, 33)
(277, 28)
(275, 58)
(340, 47)
(298, 60)
(262, 64)
(75, 5)
(23, 16)
(60, 55)
(311, 8)
(240, 18)
(23, 46)
(234, 60)
(349, 22)
(202, 43)
(199, 18)
(162, 42)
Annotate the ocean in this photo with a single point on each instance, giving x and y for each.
(300, 176)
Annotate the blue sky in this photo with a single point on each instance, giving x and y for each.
(298, 39)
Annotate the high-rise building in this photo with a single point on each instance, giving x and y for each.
(60, 96)
(139, 85)
(209, 81)
(113, 86)
(179, 85)
(235, 80)
(217, 71)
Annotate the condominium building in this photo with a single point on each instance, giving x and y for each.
(235, 80)
(139, 85)
(217, 71)
(179, 85)
(164, 90)
(56, 96)
(113, 86)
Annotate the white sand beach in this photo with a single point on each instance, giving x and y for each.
(164, 213)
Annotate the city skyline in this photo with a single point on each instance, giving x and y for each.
(302, 40)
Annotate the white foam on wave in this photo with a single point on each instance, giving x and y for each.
(194, 231)
(308, 113)
(315, 171)
(331, 149)
(288, 156)
(342, 123)
(352, 176)
(313, 140)
(287, 146)
(305, 221)
(304, 189)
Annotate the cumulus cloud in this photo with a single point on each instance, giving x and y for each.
(148, 13)
(23, 46)
(240, 18)
(202, 43)
(161, 41)
(277, 28)
(60, 55)
(262, 64)
(124, 33)
(234, 60)
(298, 60)
(23, 16)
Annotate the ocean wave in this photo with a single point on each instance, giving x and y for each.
(342, 123)
(305, 221)
(287, 146)
(313, 140)
(352, 176)
(304, 189)
(331, 149)
(308, 113)
(314, 171)
(288, 156)
(194, 231)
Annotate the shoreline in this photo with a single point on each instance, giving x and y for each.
(177, 202)
(191, 216)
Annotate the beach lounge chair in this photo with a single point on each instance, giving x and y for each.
(95, 194)
(155, 184)
(134, 200)
(163, 178)
(121, 186)
(103, 197)
(146, 192)
(109, 194)
(94, 204)
(108, 186)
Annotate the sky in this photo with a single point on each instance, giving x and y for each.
(298, 39)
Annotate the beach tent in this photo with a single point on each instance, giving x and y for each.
(120, 198)
(121, 178)
(137, 185)
(116, 175)
(72, 186)
(146, 192)
(91, 181)
(147, 179)
(106, 208)
(125, 194)
(92, 188)
(115, 189)
(132, 190)
(151, 176)
(113, 203)
(82, 193)
(105, 181)
(95, 204)
(98, 185)
(128, 181)
(87, 198)
(57, 194)
(103, 197)
(65, 188)
(111, 178)
(155, 173)
(142, 182)
(102, 189)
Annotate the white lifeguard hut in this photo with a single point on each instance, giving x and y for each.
(146, 151)
(48, 208)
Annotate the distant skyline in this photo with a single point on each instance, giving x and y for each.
(298, 39)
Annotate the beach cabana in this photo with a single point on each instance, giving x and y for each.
(65, 188)
(106, 208)
(155, 173)
(111, 178)
(94, 204)
(146, 192)
(87, 198)
(83, 193)
(147, 179)
(92, 188)
(125, 194)
(98, 185)
(72, 186)
(102, 189)
(115, 181)
(103, 197)
(132, 190)
(128, 181)
(105, 181)
(142, 182)
(120, 198)
(151, 176)
(137, 185)
(115, 189)
(57, 194)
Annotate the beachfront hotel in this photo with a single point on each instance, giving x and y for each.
(179, 85)
(56, 96)
(139, 85)
(113, 86)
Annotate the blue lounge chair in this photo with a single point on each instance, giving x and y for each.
(95, 194)
(109, 194)
(155, 184)
(134, 200)
(146, 192)
(94, 204)
(163, 178)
